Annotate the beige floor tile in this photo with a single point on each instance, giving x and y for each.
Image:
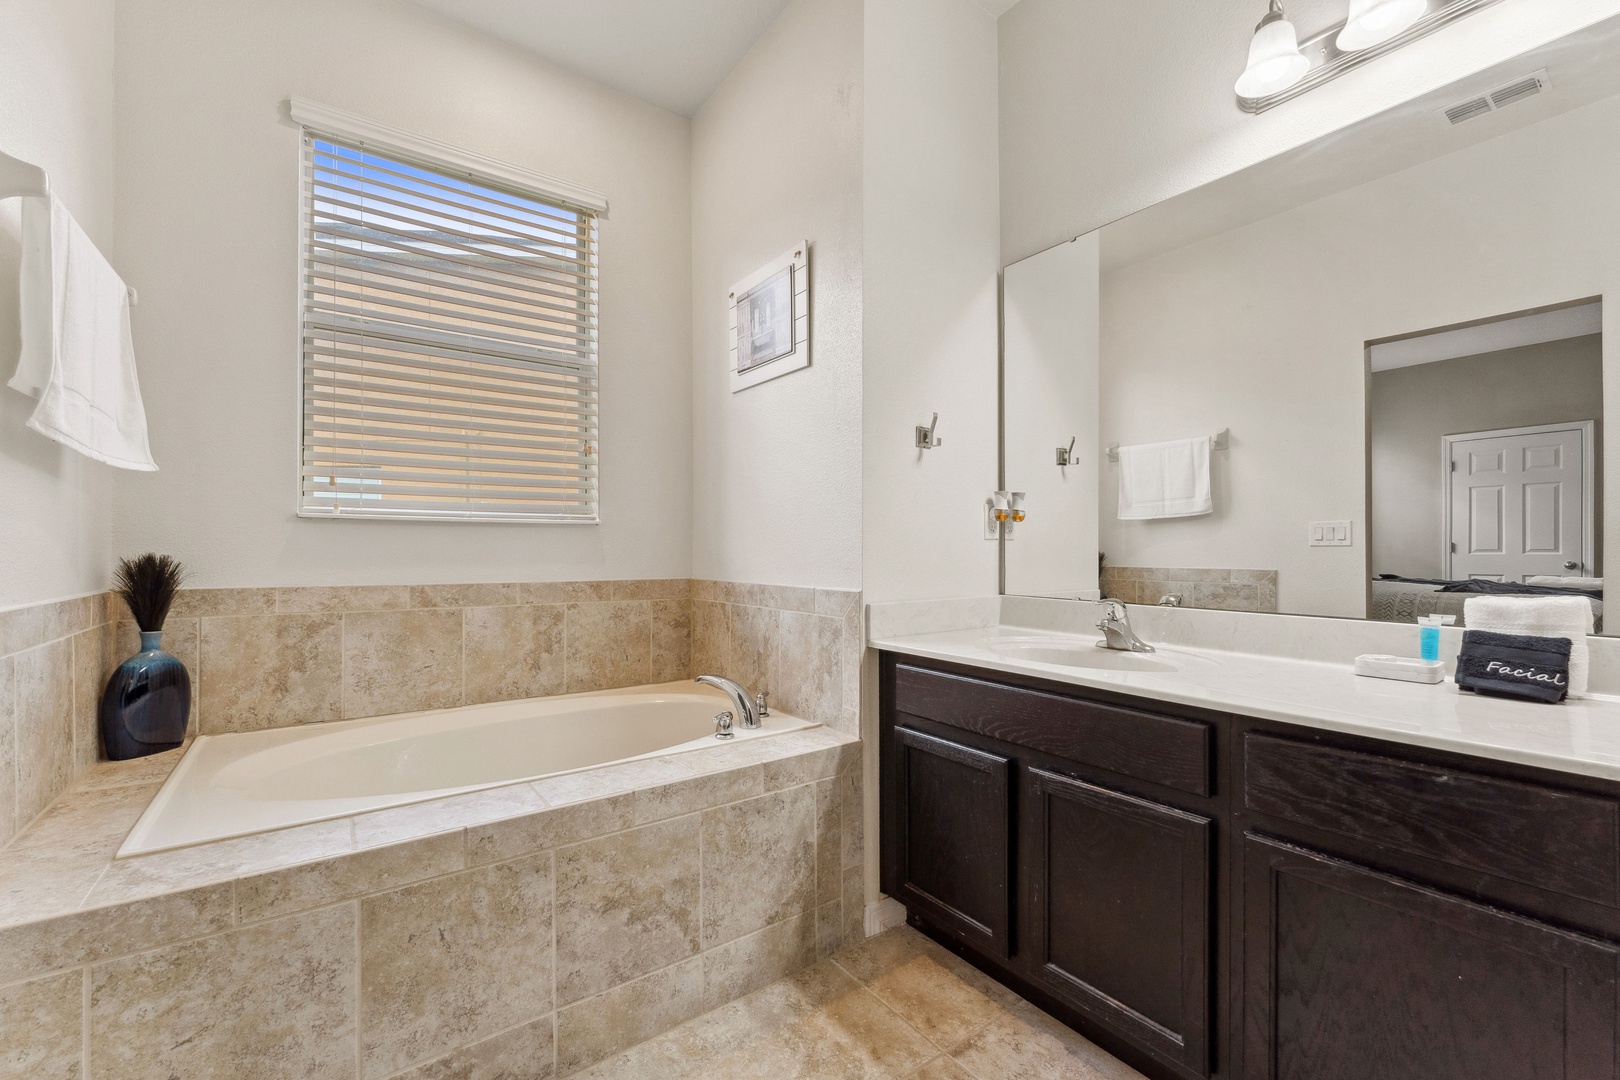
(944, 1009)
(942, 1068)
(41, 1029)
(1010, 1049)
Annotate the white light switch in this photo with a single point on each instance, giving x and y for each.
(1331, 534)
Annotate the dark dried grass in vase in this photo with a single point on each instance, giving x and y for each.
(148, 583)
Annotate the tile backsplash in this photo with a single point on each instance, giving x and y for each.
(1198, 587)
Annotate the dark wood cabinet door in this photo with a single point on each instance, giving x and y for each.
(1350, 974)
(1118, 914)
(955, 838)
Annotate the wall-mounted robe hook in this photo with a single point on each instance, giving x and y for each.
(1065, 454)
(925, 435)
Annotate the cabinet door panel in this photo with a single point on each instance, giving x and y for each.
(1118, 914)
(955, 838)
(1354, 975)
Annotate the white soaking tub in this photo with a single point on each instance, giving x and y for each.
(252, 782)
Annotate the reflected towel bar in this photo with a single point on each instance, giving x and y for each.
(1218, 441)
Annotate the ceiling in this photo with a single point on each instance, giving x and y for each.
(673, 53)
(1578, 320)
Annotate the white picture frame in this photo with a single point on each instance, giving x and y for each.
(769, 333)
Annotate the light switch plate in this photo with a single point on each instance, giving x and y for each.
(1330, 534)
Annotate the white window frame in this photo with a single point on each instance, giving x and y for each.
(323, 120)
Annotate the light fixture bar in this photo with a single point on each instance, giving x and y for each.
(1328, 62)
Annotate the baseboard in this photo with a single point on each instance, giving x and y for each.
(885, 914)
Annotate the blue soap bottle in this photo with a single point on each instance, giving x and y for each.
(1429, 634)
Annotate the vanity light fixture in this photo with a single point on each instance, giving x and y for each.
(1275, 62)
(1373, 22)
(1371, 29)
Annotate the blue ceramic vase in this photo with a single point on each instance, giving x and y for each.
(146, 703)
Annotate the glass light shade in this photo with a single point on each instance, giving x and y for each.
(1375, 21)
(1275, 62)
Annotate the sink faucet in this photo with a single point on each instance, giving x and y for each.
(1117, 632)
(738, 695)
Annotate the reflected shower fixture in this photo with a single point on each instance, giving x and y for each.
(1281, 67)
(1275, 62)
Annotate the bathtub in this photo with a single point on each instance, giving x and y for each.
(241, 784)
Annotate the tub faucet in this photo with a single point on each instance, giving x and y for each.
(740, 699)
(1117, 632)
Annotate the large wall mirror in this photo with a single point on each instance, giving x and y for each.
(1366, 379)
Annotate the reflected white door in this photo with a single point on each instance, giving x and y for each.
(1519, 502)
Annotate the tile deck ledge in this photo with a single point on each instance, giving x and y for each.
(65, 900)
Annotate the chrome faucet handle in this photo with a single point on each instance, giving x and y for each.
(722, 726)
(741, 701)
(762, 707)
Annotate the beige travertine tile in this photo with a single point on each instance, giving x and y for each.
(551, 827)
(838, 603)
(40, 884)
(753, 632)
(466, 596)
(268, 671)
(44, 724)
(1009, 1049)
(136, 772)
(671, 641)
(609, 780)
(942, 1068)
(320, 599)
(711, 638)
(41, 1029)
(697, 792)
(401, 661)
(566, 592)
(807, 676)
(829, 929)
(829, 842)
(92, 652)
(759, 863)
(514, 652)
(22, 628)
(344, 877)
(627, 904)
(852, 808)
(1254, 577)
(718, 592)
(165, 871)
(590, 1030)
(525, 1052)
(181, 639)
(444, 815)
(87, 823)
(453, 961)
(8, 751)
(780, 597)
(1224, 596)
(200, 603)
(271, 1001)
(650, 589)
(852, 648)
(744, 965)
(807, 763)
(854, 901)
(609, 644)
(944, 1009)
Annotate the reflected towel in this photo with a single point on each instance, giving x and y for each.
(1164, 480)
(77, 356)
(1539, 616)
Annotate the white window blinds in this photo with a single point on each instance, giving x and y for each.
(449, 343)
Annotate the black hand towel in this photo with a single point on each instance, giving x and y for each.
(1514, 665)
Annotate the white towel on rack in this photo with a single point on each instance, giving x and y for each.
(1164, 480)
(78, 357)
(1539, 616)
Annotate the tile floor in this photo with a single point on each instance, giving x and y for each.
(895, 1007)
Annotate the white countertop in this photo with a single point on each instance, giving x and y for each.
(1575, 737)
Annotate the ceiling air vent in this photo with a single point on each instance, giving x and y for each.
(1499, 98)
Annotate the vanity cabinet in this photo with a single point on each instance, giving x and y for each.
(1216, 896)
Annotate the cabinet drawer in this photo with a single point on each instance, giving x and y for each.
(1158, 749)
(1562, 841)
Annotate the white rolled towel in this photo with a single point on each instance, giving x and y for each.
(1539, 616)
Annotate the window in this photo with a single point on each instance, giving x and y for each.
(449, 342)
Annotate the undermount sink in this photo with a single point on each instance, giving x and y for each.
(1069, 653)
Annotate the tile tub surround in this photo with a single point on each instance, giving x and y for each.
(1198, 587)
(54, 662)
(537, 928)
(893, 1006)
(275, 657)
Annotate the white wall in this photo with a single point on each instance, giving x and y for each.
(776, 160)
(56, 111)
(1110, 107)
(1263, 329)
(931, 253)
(207, 200)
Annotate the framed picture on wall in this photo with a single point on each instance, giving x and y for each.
(770, 320)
